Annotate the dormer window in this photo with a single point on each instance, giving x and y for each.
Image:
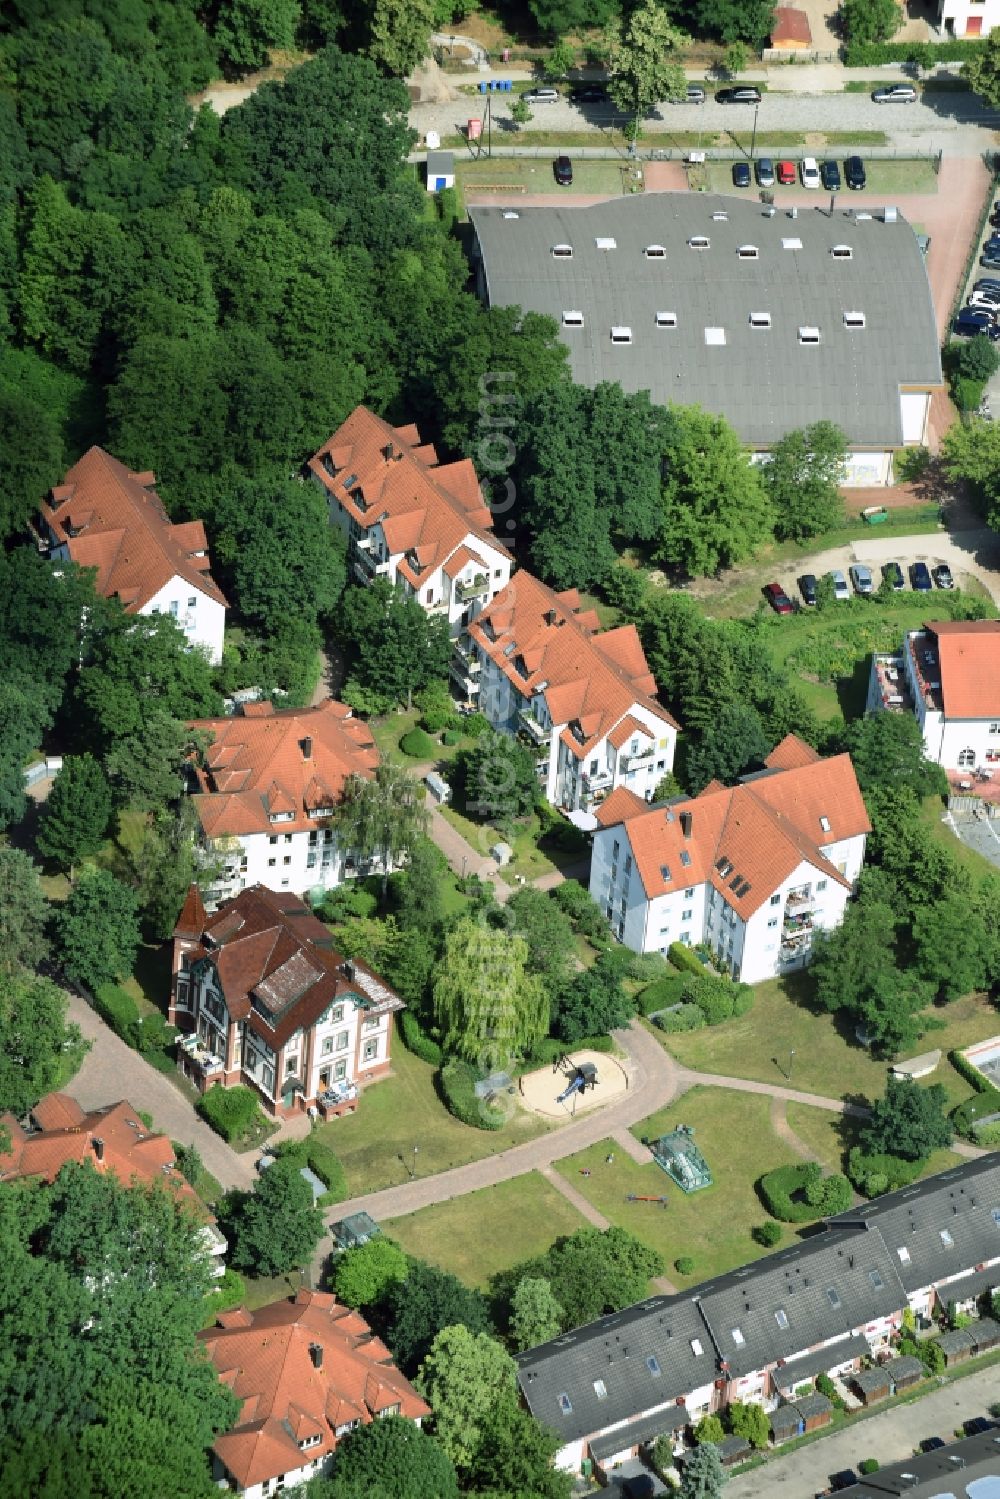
(655, 252)
(748, 252)
(572, 319)
(281, 817)
(842, 252)
(562, 252)
(699, 242)
(321, 812)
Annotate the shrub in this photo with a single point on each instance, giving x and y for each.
(549, 1048)
(322, 1160)
(584, 913)
(457, 1085)
(749, 1420)
(684, 959)
(986, 1101)
(830, 1194)
(967, 392)
(768, 1233)
(684, 1265)
(354, 899)
(868, 1465)
(718, 998)
(875, 54)
(416, 1041)
(418, 745)
(451, 736)
(779, 1189)
(874, 1174)
(437, 708)
(232, 1112)
(682, 1018)
(661, 994)
(910, 464)
(118, 1010)
(229, 1291)
(988, 1135)
(825, 1386)
(709, 1429)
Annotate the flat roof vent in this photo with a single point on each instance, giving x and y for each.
(748, 252)
(511, 213)
(791, 242)
(760, 320)
(655, 252)
(605, 242)
(854, 319)
(808, 335)
(863, 218)
(572, 319)
(715, 335)
(562, 252)
(720, 216)
(621, 335)
(699, 242)
(666, 320)
(842, 252)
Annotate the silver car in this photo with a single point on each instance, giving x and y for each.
(840, 588)
(861, 577)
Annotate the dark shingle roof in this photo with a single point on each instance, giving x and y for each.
(671, 1418)
(821, 1360)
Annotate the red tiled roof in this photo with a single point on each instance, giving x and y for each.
(302, 1368)
(424, 508)
(752, 836)
(588, 678)
(791, 27)
(791, 753)
(969, 653)
(256, 765)
(124, 532)
(57, 1111)
(268, 947)
(192, 917)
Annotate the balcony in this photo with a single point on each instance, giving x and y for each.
(366, 563)
(540, 736)
(472, 589)
(598, 779)
(193, 1050)
(638, 757)
(799, 900)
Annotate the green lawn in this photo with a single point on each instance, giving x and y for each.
(605, 177)
(388, 730)
(149, 985)
(476, 1236)
(403, 1111)
(733, 1131)
(535, 853)
(831, 1136)
(827, 1060)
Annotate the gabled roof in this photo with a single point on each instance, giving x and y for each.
(543, 642)
(301, 1368)
(114, 521)
(272, 761)
(427, 511)
(746, 840)
(969, 655)
(277, 967)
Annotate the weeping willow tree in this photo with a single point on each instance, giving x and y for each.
(489, 1008)
(381, 818)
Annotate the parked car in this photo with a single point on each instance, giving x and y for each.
(932, 1444)
(988, 283)
(893, 574)
(970, 321)
(786, 173)
(741, 174)
(840, 588)
(942, 575)
(809, 171)
(541, 96)
(861, 577)
(976, 1426)
(843, 1480)
(589, 93)
(778, 598)
(830, 173)
(984, 301)
(920, 577)
(854, 173)
(896, 93)
(694, 94)
(990, 259)
(739, 95)
(563, 169)
(807, 588)
(765, 172)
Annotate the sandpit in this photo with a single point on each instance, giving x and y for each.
(539, 1090)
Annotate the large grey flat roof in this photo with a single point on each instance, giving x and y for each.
(762, 380)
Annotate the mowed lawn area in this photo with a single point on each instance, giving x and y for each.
(733, 1132)
(478, 1235)
(831, 1136)
(376, 1145)
(535, 175)
(827, 1060)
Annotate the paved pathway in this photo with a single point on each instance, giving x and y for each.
(111, 1070)
(584, 1208)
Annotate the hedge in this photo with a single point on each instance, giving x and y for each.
(718, 998)
(229, 1291)
(457, 1085)
(684, 959)
(875, 1174)
(661, 995)
(874, 54)
(550, 1048)
(230, 1111)
(322, 1160)
(118, 1010)
(416, 1041)
(778, 1187)
(681, 1018)
(418, 745)
(986, 1100)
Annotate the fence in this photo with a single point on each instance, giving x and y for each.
(709, 153)
(993, 163)
(42, 769)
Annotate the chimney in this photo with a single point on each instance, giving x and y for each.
(686, 824)
(387, 452)
(307, 747)
(98, 1145)
(349, 968)
(550, 616)
(316, 1354)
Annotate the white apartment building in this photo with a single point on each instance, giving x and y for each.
(104, 517)
(423, 525)
(583, 697)
(948, 676)
(751, 871)
(968, 18)
(266, 789)
(265, 1000)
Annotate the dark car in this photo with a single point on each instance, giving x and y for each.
(765, 172)
(942, 575)
(990, 259)
(920, 577)
(976, 1426)
(563, 169)
(589, 93)
(807, 587)
(778, 598)
(987, 283)
(854, 173)
(739, 95)
(845, 1479)
(972, 320)
(932, 1444)
(741, 174)
(893, 575)
(640, 1486)
(830, 173)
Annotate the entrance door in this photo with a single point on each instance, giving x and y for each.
(288, 1097)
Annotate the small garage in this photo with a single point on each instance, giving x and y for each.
(786, 1423)
(957, 1346)
(986, 1333)
(816, 1411)
(904, 1372)
(733, 1450)
(440, 171)
(872, 1385)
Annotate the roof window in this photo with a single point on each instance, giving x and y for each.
(600, 1389)
(572, 319)
(724, 867)
(666, 320)
(904, 1254)
(699, 242)
(781, 1317)
(562, 252)
(824, 823)
(854, 320)
(760, 320)
(665, 872)
(621, 335)
(565, 1404)
(696, 1347)
(808, 335)
(946, 1238)
(791, 242)
(715, 336)
(738, 1337)
(655, 252)
(833, 1296)
(605, 242)
(720, 216)
(350, 480)
(876, 1280)
(653, 1365)
(511, 213)
(842, 252)
(685, 857)
(748, 252)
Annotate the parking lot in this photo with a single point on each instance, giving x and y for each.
(969, 554)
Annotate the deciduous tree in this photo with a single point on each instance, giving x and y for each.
(38, 1050)
(548, 931)
(275, 1227)
(381, 817)
(870, 20)
(247, 30)
(737, 741)
(395, 647)
(644, 63)
(802, 479)
(399, 33)
(907, 1121)
(500, 781)
(76, 815)
(466, 1378)
(489, 1008)
(715, 510)
(97, 930)
(388, 1459)
(418, 1308)
(887, 749)
(363, 1275)
(23, 943)
(535, 1314)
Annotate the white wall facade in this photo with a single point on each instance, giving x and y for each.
(296, 861)
(865, 470)
(202, 619)
(269, 1487)
(969, 17)
(915, 410)
(959, 744)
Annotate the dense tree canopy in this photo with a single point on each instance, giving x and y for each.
(396, 646)
(39, 1051)
(23, 941)
(76, 813)
(388, 1459)
(97, 930)
(802, 479)
(715, 510)
(907, 1121)
(488, 1006)
(416, 1309)
(275, 1228)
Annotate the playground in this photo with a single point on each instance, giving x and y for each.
(576, 1083)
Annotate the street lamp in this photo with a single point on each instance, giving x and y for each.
(791, 1056)
(753, 138)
